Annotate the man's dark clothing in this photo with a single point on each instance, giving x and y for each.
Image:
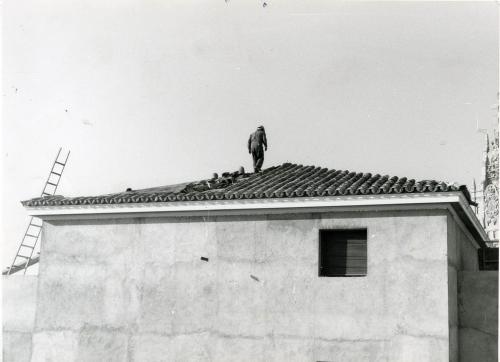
(255, 143)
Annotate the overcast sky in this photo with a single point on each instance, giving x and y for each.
(148, 93)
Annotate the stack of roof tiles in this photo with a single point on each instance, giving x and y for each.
(287, 180)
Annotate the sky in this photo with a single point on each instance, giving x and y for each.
(150, 93)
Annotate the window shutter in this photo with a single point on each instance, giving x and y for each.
(343, 252)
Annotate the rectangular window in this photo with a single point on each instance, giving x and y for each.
(342, 253)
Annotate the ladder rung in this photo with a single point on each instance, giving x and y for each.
(50, 183)
(60, 163)
(46, 193)
(38, 226)
(22, 256)
(27, 246)
(58, 174)
(33, 236)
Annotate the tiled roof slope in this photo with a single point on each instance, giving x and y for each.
(287, 180)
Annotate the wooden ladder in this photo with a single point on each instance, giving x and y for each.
(24, 256)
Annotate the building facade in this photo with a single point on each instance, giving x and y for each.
(490, 187)
(294, 264)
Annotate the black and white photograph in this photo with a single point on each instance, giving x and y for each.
(249, 181)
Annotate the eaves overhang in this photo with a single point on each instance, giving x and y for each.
(455, 202)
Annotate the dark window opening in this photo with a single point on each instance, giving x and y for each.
(342, 253)
(488, 258)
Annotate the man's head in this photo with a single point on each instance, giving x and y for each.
(261, 128)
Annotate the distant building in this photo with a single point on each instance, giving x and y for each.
(292, 264)
(490, 187)
(488, 195)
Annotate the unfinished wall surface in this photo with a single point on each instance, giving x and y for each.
(462, 255)
(478, 315)
(18, 316)
(137, 290)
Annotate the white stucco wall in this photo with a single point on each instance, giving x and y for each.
(18, 316)
(462, 255)
(137, 290)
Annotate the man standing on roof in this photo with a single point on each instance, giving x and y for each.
(255, 143)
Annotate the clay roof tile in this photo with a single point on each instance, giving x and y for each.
(287, 180)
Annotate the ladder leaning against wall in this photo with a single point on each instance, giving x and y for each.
(24, 255)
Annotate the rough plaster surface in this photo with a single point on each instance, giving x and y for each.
(478, 315)
(462, 255)
(18, 316)
(137, 290)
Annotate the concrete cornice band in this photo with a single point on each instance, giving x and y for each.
(416, 201)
